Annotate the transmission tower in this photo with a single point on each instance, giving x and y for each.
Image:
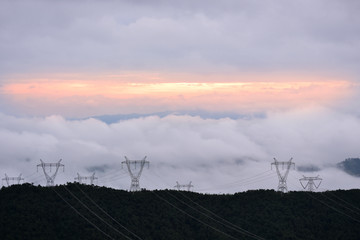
(50, 179)
(14, 180)
(181, 186)
(312, 183)
(283, 174)
(135, 175)
(81, 178)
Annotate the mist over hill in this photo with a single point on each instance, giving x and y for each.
(76, 211)
(114, 118)
(350, 166)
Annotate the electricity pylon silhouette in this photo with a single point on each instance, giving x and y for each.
(81, 178)
(135, 175)
(282, 187)
(312, 183)
(50, 179)
(15, 180)
(186, 186)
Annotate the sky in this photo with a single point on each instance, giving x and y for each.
(209, 91)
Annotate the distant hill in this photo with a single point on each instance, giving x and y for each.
(72, 212)
(351, 166)
(109, 119)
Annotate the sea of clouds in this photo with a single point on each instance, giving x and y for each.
(217, 155)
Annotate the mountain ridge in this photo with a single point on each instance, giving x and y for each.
(66, 211)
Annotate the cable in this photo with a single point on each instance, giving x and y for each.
(96, 214)
(358, 209)
(232, 226)
(340, 204)
(332, 207)
(189, 215)
(30, 175)
(244, 182)
(93, 202)
(92, 224)
(207, 210)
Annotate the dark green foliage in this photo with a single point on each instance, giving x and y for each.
(30, 212)
(351, 166)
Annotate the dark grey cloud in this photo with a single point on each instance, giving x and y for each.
(193, 36)
(308, 168)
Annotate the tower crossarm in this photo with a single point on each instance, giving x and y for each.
(142, 163)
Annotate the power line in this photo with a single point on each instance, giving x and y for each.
(93, 202)
(87, 220)
(312, 195)
(243, 182)
(333, 208)
(342, 200)
(226, 224)
(101, 219)
(189, 215)
(232, 226)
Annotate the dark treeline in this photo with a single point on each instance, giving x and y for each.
(71, 212)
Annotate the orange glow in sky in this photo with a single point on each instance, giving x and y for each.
(115, 96)
(285, 90)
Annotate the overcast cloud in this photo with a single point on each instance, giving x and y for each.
(191, 36)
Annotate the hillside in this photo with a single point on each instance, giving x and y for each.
(350, 166)
(72, 212)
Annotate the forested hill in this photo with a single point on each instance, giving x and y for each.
(78, 212)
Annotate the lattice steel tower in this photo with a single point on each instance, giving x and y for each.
(282, 187)
(81, 178)
(14, 180)
(312, 183)
(185, 186)
(50, 179)
(135, 175)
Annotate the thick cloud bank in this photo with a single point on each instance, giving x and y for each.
(217, 155)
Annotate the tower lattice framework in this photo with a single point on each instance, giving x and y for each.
(183, 186)
(312, 183)
(12, 180)
(83, 179)
(282, 175)
(50, 178)
(135, 175)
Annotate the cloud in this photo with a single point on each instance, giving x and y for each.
(206, 36)
(181, 41)
(217, 155)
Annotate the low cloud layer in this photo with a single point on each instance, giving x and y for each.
(217, 155)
